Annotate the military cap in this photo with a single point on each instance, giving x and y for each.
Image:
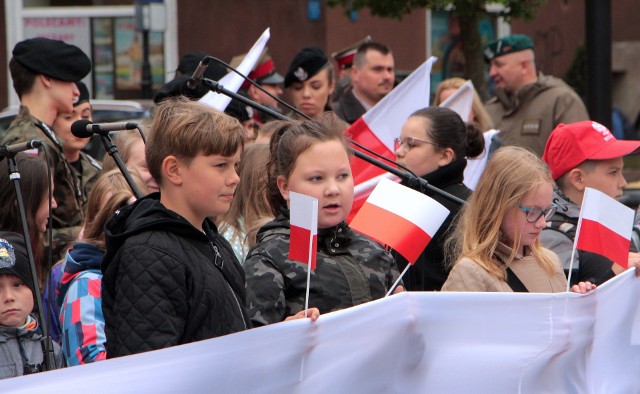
(506, 45)
(53, 58)
(14, 259)
(344, 57)
(264, 72)
(84, 94)
(307, 63)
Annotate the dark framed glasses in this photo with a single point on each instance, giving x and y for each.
(534, 213)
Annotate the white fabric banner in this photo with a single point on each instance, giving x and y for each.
(412, 342)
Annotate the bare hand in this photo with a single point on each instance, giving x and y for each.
(399, 289)
(312, 313)
(583, 287)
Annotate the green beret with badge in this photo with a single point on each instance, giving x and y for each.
(505, 45)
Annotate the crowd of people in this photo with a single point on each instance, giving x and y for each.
(205, 251)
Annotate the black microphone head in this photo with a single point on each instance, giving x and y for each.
(79, 128)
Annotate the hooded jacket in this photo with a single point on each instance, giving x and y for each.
(12, 361)
(350, 270)
(527, 117)
(167, 283)
(80, 301)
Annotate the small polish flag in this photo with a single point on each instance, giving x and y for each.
(304, 228)
(233, 81)
(379, 126)
(400, 217)
(605, 227)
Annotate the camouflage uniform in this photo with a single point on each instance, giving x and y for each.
(67, 217)
(351, 269)
(91, 171)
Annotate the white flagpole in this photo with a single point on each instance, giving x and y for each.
(309, 261)
(398, 280)
(575, 241)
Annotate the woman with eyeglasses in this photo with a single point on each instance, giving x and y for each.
(435, 144)
(497, 236)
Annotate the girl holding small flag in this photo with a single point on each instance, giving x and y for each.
(497, 237)
(435, 144)
(312, 158)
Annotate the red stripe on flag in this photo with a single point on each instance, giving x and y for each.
(402, 235)
(597, 238)
(362, 171)
(299, 245)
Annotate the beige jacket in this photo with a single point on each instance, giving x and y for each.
(467, 275)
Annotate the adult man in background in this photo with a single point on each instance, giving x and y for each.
(372, 78)
(528, 105)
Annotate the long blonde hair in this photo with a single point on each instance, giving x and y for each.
(510, 174)
(481, 117)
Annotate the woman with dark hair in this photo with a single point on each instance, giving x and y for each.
(435, 144)
(310, 81)
(34, 187)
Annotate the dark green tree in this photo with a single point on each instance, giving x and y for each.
(469, 13)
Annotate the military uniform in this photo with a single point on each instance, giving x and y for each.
(91, 169)
(350, 270)
(63, 62)
(67, 217)
(527, 118)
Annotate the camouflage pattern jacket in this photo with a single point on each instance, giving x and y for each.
(86, 179)
(350, 270)
(68, 216)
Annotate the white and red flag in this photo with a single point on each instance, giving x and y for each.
(400, 217)
(604, 227)
(304, 228)
(379, 126)
(233, 81)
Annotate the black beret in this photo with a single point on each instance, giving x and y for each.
(53, 58)
(178, 87)
(307, 63)
(84, 93)
(506, 45)
(14, 259)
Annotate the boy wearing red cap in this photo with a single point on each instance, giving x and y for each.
(580, 155)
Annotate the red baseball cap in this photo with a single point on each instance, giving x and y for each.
(571, 144)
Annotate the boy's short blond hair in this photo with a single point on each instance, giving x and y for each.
(185, 128)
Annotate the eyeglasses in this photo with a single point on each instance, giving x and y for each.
(409, 143)
(534, 214)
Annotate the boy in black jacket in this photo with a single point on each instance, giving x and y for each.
(169, 277)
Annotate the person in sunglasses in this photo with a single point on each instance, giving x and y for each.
(580, 155)
(496, 242)
(435, 143)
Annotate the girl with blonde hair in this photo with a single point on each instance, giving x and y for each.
(498, 233)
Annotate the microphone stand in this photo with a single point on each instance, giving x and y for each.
(112, 150)
(412, 180)
(14, 176)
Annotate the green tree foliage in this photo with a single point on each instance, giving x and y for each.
(469, 12)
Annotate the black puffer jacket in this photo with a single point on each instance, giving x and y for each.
(167, 283)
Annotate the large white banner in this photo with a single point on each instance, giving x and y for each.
(412, 342)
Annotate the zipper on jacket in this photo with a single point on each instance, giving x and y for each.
(218, 261)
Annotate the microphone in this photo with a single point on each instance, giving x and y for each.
(196, 78)
(85, 128)
(10, 150)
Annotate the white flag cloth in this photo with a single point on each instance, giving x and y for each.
(303, 228)
(461, 101)
(233, 81)
(422, 342)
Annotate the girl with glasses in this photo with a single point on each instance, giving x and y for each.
(497, 237)
(435, 144)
